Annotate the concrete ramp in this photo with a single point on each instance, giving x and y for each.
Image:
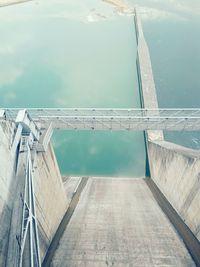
(117, 222)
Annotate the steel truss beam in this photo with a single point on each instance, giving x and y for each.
(112, 119)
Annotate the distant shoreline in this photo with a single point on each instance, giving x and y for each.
(117, 3)
(120, 5)
(12, 2)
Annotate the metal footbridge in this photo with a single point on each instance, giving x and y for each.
(42, 121)
(105, 119)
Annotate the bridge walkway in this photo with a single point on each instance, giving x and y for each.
(117, 222)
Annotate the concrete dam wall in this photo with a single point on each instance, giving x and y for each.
(176, 171)
(51, 200)
(102, 214)
(116, 222)
(7, 186)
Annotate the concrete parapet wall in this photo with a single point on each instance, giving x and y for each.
(176, 172)
(51, 199)
(145, 77)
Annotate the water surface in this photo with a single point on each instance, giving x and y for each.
(74, 54)
(172, 31)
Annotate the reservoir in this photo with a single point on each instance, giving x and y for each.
(105, 205)
(172, 32)
(74, 54)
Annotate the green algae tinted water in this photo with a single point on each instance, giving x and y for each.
(172, 31)
(74, 54)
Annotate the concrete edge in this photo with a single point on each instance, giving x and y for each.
(190, 241)
(147, 89)
(66, 219)
(188, 152)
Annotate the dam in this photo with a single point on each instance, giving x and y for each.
(52, 220)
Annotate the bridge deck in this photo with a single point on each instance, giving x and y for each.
(117, 222)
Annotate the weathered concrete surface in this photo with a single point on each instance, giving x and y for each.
(7, 174)
(176, 172)
(66, 219)
(70, 186)
(51, 200)
(117, 222)
(145, 76)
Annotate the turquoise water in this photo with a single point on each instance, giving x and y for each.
(172, 31)
(66, 54)
(82, 54)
